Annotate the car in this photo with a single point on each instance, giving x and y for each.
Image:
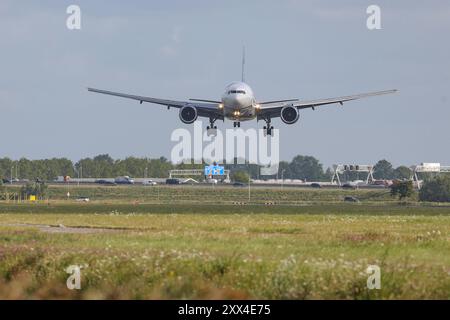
(124, 180)
(105, 182)
(149, 183)
(238, 184)
(351, 199)
(83, 199)
(6, 181)
(348, 186)
(315, 185)
(212, 181)
(172, 181)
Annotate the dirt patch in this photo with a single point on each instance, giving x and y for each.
(363, 237)
(62, 228)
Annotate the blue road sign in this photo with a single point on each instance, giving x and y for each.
(214, 170)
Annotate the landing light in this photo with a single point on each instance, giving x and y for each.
(220, 106)
(257, 106)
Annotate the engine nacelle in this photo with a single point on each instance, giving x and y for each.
(289, 114)
(188, 114)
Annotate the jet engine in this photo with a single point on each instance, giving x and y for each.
(289, 114)
(188, 114)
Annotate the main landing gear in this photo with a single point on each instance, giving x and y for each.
(268, 128)
(211, 130)
(237, 124)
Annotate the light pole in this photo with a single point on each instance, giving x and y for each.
(282, 178)
(249, 192)
(10, 181)
(80, 173)
(144, 182)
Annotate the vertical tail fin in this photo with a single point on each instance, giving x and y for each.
(243, 64)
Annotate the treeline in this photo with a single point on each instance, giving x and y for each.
(103, 166)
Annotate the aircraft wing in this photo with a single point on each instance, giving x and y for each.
(206, 110)
(274, 111)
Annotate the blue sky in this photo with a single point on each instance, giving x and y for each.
(191, 49)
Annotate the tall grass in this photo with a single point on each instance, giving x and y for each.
(158, 251)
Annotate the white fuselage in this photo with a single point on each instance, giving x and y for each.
(239, 102)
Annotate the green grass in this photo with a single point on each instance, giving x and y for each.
(217, 194)
(304, 250)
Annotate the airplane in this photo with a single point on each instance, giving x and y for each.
(238, 103)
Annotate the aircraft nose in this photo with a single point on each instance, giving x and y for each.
(233, 100)
(240, 99)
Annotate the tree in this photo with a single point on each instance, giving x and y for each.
(306, 167)
(284, 170)
(329, 173)
(160, 167)
(101, 166)
(402, 189)
(436, 190)
(402, 173)
(5, 167)
(25, 168)
(383, 170)
(240, 176)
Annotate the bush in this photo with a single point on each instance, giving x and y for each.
(436, 190)
(38, 189)
(240, 176)
(402, 189)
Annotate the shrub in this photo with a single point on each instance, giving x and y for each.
(436, 190)
(402, 189)
(38, 189)
(240, 176)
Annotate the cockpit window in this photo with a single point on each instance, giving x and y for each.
(236, 92)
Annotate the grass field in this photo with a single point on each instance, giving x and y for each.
(209, 194)
(309, 245)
